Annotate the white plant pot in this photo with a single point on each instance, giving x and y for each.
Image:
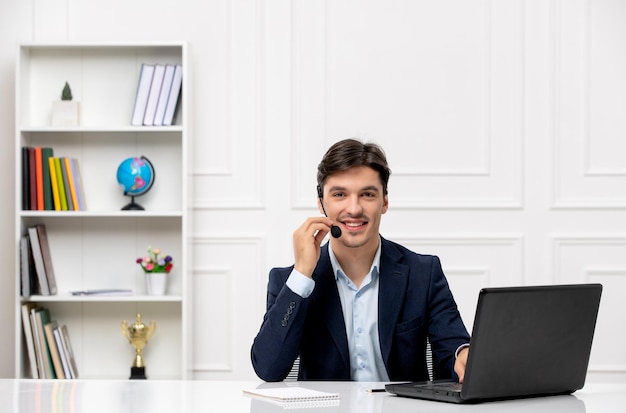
(156, 283)
(65, 113)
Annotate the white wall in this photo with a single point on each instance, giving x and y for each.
(503, 122)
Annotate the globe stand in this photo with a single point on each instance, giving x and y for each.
(133, 206)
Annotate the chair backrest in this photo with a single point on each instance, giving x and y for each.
(293, 373)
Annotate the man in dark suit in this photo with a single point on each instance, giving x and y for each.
(359, 307)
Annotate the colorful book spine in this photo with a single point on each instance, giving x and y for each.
(32, 179)
(66, 186)
(39, 178)
(25, 179)
(78, 181)
(46, 153)
(72, 184)
(54, 183)
(59, 173)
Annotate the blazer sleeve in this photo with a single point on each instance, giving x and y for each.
(447, 331)
(277, 343)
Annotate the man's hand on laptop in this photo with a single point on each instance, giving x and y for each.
(460, 363)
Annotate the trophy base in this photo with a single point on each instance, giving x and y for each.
(137, 373)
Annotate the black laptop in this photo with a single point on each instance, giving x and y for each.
(526, 342)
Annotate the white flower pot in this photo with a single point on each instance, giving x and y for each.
(156, 283)
(65, 113)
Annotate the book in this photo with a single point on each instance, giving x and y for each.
(66, 185)
(25, 179)
(153, 96)
(61, 185)
(103, 291)
(38, 354)
(40, 268)
(29, 339)
(47, 258)
(166, 86)
(54, 350)
(39, 178)
(143, 90)
(42, 317)
(46, 153)
(24, 266)
(27, 268)
(69, 352)
(290, 395)
(54, 183)
(78, 181)
(32, 184)
(64, 361)
(173, 98)
(72, 184)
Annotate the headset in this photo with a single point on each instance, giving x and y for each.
(335, 231)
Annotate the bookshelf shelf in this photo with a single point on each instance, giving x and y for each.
(101, 214)
(97, 247)
(104, 128)
(68, 298)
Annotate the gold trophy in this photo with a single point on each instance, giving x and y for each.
(138, 335)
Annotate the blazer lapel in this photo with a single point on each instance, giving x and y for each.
(392, 290)
(332, 313)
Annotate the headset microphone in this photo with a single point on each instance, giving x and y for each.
(335, 231)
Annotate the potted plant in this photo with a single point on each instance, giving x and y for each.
(65, 112)
(156, 267)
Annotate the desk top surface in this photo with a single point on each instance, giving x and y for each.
(94, 396)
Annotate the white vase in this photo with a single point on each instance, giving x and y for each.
(156, 283)
(65, 113)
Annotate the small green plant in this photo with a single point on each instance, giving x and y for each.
(67, 92)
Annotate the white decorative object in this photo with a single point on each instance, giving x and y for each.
(66, 112)
(156, 283)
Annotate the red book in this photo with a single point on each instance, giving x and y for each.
(39, 177)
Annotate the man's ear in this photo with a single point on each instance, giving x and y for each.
(319, 206)
(385, 204)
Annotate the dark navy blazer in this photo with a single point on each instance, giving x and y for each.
(415, 302)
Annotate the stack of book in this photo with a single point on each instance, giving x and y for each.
(36, 270)
(50, 183)
(50, 353)
(158, 93)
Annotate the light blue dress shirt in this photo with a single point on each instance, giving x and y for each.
(360, 313)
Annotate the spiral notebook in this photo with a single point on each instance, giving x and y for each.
(294, 397)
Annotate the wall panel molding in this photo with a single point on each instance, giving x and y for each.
(224, 269)
(332, 100)
(592, 258)
(234, 178)
(588, 93)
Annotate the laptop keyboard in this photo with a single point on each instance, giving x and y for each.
(444, 386)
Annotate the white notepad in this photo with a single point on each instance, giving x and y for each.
(290, 397)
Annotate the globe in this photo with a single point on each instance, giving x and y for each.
(136, 176)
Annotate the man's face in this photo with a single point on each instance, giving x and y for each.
(354, 199)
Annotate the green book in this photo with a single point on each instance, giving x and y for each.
(61, 185)
(48, 204)
(43, 318)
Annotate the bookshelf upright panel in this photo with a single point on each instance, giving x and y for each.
(97, 247)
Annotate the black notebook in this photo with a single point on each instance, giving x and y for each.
(526, 342)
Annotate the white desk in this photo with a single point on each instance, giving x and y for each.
(151, 396)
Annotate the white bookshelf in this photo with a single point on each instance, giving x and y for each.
(97, 247)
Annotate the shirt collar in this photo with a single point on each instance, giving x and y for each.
(374, 270)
